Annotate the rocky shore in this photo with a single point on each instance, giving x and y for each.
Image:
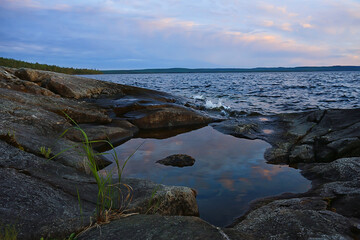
(40, 197)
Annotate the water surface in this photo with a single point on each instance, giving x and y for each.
(265, 93)
(228, 173)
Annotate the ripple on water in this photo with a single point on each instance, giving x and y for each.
(281, 88)
(228, 173)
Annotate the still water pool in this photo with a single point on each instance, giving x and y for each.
(228, 172)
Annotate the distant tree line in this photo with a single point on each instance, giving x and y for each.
(231, 70)
(8, 62)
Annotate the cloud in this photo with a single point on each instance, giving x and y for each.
(185, 33)
(32, 4)
(286, 27)
(164, 24)
(276, 10)
(268, 23)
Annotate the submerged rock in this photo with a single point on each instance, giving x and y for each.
(177, 160)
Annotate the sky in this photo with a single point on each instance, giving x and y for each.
(132, 34)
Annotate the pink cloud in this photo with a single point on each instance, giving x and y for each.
(276, 10)
(32, 4)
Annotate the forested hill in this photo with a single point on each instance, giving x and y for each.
(8, 62)
(226, 70)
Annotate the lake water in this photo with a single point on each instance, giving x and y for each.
(230, 172)
(265, 93)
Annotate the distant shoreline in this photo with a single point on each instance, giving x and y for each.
(232, 70)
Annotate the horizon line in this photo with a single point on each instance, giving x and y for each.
(239, 69)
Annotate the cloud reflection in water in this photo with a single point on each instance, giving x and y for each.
(228, 173)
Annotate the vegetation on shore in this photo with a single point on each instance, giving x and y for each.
(111, 200)
(8, 62)
(8, 232)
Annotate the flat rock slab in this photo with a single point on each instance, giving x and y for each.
(64, 85)
(299, 218)
(101, 132)
(177, 160)
(70, 86)
(166, 117)
(343, 169)
(34, 126)
(38, 198)
(79, 111)
(339, 182)
(155, 227)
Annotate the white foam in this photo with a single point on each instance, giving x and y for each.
(198, 97)
(210, 105)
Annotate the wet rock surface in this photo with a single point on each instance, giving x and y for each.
(177, 160)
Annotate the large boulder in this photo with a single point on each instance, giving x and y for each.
(10, 81)
(151, 198)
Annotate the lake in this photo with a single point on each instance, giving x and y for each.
(265, 93)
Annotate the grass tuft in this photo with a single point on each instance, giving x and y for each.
(10, 139)
(112, 198)
(153, 204)
(8, 232)
(44, 152)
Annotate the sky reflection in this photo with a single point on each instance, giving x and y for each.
(228, 172)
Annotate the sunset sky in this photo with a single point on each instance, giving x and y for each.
(131, 34)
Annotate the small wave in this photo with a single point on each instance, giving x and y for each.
(198, 97)
(210, 105)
